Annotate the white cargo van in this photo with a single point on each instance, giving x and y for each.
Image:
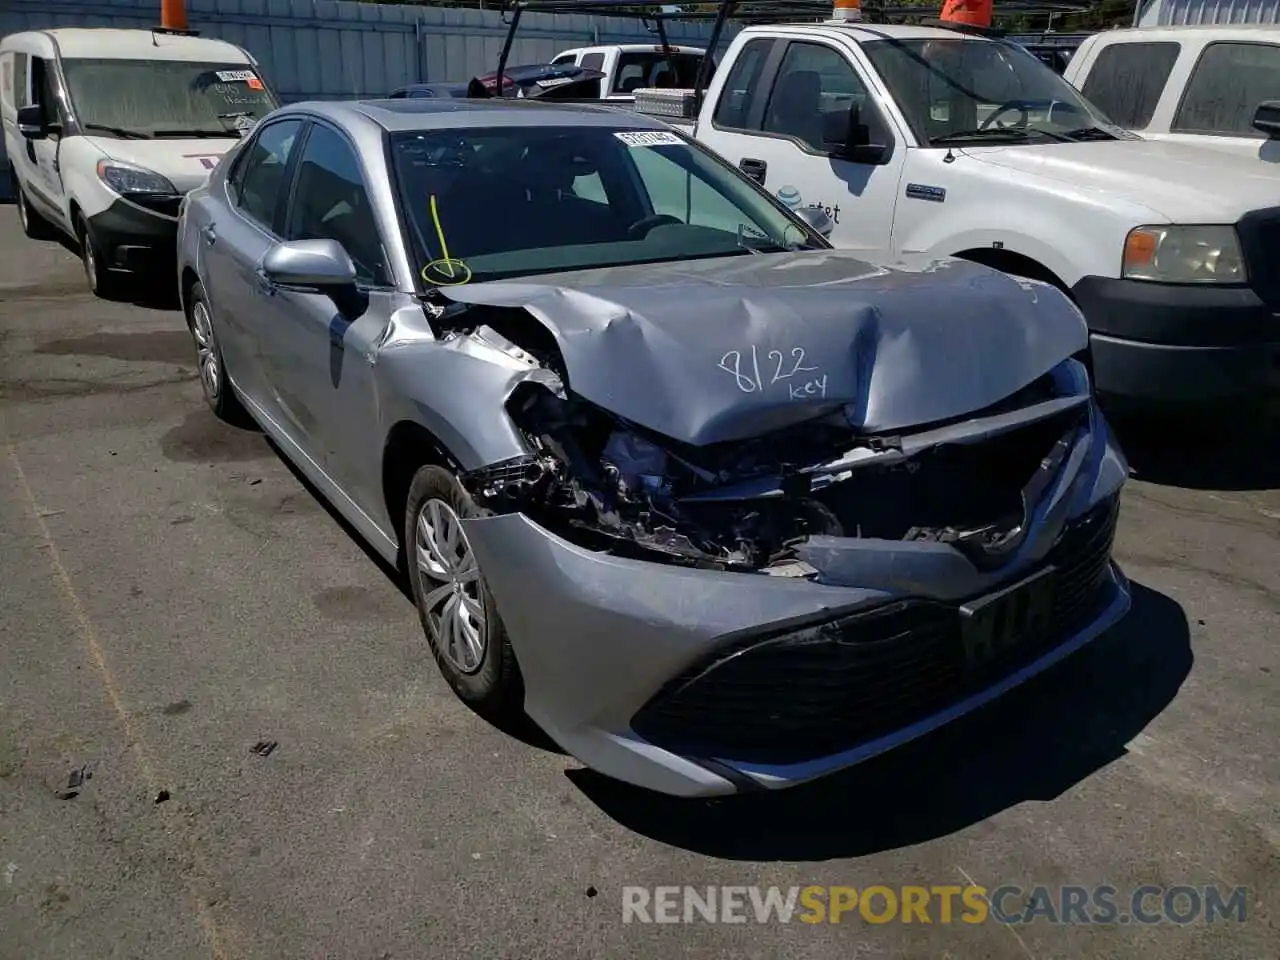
(106, 130)
(630, 66)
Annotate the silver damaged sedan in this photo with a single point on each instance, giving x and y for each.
(719, 507)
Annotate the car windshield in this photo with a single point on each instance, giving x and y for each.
(166, 98)
(486, 204)
(970, 90)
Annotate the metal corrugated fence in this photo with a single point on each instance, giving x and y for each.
(328, 49)
(1162, 13)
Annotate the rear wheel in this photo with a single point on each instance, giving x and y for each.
(33, 224)
(214, 382)
(458, 614)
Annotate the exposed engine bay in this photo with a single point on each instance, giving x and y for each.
(605, 483)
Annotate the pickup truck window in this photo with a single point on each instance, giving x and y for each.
(744, 77)
(591, 61)
(654, 69)
(1225, 88)
(1126, 80)
(970, 90)
(813, 80)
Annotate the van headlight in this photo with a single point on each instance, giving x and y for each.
(1184, 254)
(126, 178)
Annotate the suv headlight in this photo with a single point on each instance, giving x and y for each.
(129, 178)
(1184, 254)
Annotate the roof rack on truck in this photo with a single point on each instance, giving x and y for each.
(956, 16)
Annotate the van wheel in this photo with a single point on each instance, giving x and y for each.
(33, 225)
(101, 280)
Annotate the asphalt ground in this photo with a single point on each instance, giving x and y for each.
(171, 594)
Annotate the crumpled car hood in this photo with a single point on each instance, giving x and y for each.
(724, 349)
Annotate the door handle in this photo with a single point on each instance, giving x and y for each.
(753, 168)
(209, 233)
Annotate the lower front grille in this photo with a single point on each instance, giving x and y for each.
(820, 690)
(162, 203)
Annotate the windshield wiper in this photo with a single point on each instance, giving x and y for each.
(195, 133)
(982, 133)
(118, 131)
(1089, 133)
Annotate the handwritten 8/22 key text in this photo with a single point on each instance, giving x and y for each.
(754, 369)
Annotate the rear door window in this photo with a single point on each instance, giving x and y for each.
(1225, 88)
(1126, 80)
(258, 179)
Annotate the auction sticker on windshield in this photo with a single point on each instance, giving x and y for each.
(247, 76)
(648, 138)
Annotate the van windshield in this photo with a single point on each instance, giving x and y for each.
(956, 90)
(166, 98)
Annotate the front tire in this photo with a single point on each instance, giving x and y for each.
(102, 282)
(34, 226)
(214, 382)
(458, 614)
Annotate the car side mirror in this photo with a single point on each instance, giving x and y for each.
(847, 136)
(309, 265)
(817, 219)
(31, 122)
(1267, 118)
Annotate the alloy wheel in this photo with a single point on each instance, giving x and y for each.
(450, 586)
(206, 350)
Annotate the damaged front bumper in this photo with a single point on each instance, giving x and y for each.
(698, 682)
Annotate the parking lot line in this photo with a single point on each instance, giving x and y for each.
(137, 742)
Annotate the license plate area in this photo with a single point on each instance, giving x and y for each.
(1001, 621)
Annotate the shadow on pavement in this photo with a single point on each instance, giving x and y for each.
(156, 289)
(520, 727)
(1033, 744)
(1202, 454)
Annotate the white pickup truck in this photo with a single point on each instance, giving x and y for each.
(1210, 86)
(628, 67)
(926, 139)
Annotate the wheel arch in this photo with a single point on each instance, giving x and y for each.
(409, 447)
(187, 283)
(1018, 264)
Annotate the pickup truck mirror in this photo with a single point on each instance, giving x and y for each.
(1267, 118)
(31, 122)
(847, 137)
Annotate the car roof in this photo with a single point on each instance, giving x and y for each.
(1237, 32)
(413, 114)
(862, 32)
(121, 44)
